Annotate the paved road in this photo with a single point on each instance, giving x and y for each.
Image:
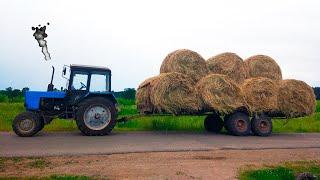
(73, 143)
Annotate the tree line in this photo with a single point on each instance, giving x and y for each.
(17, 95)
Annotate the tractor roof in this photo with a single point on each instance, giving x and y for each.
(88, 68)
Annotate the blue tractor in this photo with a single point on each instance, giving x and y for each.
(88, 99)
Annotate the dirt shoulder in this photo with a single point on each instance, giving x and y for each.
(219, 164)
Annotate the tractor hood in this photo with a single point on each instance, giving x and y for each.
(32, 98)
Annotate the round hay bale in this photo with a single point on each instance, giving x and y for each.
(229, 64)
(296, 98)
(263, 66)
(261, 94)
(174, 93)
(143, 102)
(186, 62)
(219, 93)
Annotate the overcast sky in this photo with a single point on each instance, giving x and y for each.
(133, 37)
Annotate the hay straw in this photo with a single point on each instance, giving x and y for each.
(220, 93)
(261, 94)
(263, 66)
(296, 98)
(186, 62)
(229, 64)
(143, 102)
(174, 93)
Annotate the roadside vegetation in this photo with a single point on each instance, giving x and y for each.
(288, 171)
(127, 107)
(52, 177)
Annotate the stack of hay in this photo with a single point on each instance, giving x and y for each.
(188, 84)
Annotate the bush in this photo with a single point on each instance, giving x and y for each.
(17, 99)
(4, 98)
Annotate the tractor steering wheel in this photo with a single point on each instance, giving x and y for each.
(82, 86)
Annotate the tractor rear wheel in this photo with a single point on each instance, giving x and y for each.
(238, 124)
(213, 123)
(96, 116)
(261, 125)
(26, 124)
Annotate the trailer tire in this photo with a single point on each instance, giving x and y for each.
(213, 123)
(261, 125)
(238, 124)
(26, 124)
(93, 112)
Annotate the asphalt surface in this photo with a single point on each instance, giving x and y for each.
(73, 143)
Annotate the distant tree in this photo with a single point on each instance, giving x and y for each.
(9, 89)
(24, 90)
(16, 93)
(129, 93)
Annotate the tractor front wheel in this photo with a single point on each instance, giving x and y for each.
(96, 116)
(26, 124)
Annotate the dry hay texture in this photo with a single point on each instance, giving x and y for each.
(263, 66)
(174, 93)
(261, 94)
(296, 98)
(186, 62)
(218, 92)
(143, 101)
(229, 64)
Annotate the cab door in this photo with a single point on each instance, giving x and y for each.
(78, 86)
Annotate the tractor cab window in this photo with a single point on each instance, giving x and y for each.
(79, 81)
(99, 83)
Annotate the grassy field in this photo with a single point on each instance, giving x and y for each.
(286, 171)
(158, 123)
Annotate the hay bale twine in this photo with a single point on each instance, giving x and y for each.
(296, 98)
(229, 64)
(218, 92)
(174, 93)
(186, 62)
(263, 66)
(143, 102)
(261, 94)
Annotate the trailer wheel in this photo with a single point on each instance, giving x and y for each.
(238, 124)
(261, 125)
(26, 124)
(96, 116)
(213, 123)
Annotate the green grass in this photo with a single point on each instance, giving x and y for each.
(286, 171)
(52, 177)
(158, 122)
(163, 123)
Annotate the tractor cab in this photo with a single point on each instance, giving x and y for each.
(87, 99)
(87, 81)
(89, 78)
